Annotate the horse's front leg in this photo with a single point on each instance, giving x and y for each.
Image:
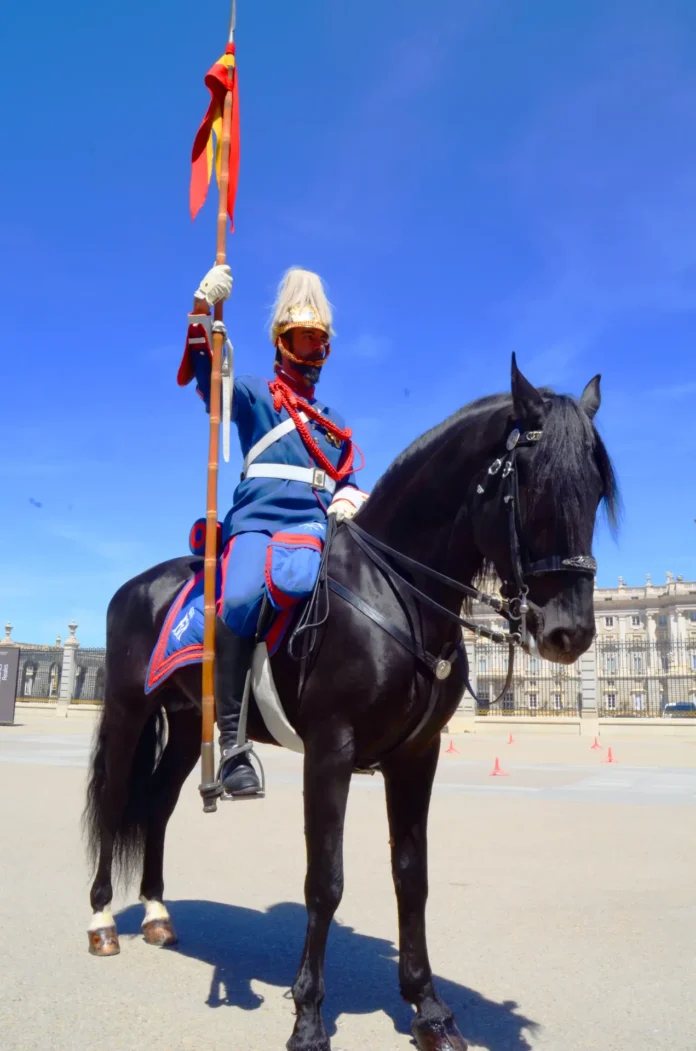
(409, 781)
(328, 766)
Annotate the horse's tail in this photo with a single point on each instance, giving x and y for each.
(127, 823)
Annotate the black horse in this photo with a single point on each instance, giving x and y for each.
(511, 482)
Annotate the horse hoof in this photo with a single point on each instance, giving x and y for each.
(159, 932)
(321, 1045)
(103, 941)
(308, 1041)
(438, 1036)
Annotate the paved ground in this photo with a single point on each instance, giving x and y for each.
(561, 912)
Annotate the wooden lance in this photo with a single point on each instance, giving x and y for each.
(208, 787)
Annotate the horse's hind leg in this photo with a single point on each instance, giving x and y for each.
(178, 760)
(122, 749)
(408, 783)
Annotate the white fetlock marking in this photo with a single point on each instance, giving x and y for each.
(102, 919)
(154, 910)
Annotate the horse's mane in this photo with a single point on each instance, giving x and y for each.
(569, 438)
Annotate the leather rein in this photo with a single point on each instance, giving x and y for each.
(502, 472)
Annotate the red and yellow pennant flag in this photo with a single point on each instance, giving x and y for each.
(219, 80)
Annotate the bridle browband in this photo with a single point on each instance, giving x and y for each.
(513, 606)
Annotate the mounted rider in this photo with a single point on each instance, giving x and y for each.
(298, 468)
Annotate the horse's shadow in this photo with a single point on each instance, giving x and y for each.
(361, 971)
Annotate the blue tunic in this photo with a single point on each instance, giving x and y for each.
(271, 504)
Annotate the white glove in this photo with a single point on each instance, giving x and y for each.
(341, 509)
(216, 285)
(346, 503)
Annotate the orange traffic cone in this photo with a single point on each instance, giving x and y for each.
(595, 744)
(610, 757)
(496, 771)
(450, 750)
(511, 739)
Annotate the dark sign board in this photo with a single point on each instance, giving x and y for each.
(9, 670)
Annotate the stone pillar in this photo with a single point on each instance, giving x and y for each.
(589, 723)
(67, 675)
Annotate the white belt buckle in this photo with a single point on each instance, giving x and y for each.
(318, 478)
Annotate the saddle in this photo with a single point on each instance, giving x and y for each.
(292, 567)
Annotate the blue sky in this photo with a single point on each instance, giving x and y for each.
(470, 178)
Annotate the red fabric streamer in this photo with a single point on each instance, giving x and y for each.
(220, 79)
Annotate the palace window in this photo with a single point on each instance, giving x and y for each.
(608, 622)
(638, 663)
(533, 700)
(611, 701)
(638, 702)
(557, 701)
(53, 680)
(662, 620)
(610, 663)
(28, 676)
(635, 621)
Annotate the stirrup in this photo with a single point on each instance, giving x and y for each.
(231, 753)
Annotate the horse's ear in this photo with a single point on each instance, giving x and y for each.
(591, 398)
(526, 399)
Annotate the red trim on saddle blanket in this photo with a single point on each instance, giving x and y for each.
(159, 669)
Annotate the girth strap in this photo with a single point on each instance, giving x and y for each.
(426, 659)
(400, 636)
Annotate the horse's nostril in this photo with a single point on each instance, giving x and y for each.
(560, 640)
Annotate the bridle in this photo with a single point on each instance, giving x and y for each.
(512, 605)
(517, 588)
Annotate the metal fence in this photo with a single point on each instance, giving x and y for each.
(39, 672)
(646, 678)
(538, 689)
(89, 676)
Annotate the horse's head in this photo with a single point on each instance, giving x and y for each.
(535, 511)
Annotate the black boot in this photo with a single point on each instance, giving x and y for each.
(233, 656)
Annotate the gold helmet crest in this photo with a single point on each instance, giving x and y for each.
(300, 303)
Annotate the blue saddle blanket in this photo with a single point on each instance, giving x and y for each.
(292, 565)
